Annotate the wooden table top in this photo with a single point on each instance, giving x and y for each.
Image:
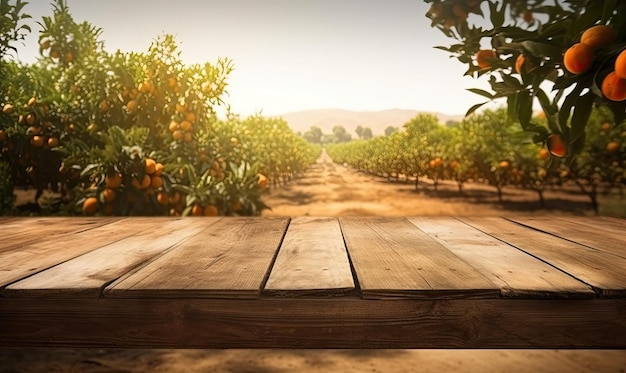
(105, 264)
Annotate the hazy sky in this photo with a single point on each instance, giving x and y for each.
(293, 55)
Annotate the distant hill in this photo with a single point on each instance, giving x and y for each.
(326, 119)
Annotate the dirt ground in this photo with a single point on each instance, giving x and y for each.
(329, 189)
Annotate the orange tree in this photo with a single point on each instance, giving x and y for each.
(127, 133)
(576, 48)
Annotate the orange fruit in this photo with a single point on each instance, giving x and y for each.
(528, 16)
(145, 87)
(158, 169)
(578, 58)
(177, 135)
(543, 154)
(236, 205)
(143, 184)
(600, 36)
(174, 126)
(156, 182)
(187, 137)
(484, 57)
(7, 109)
(3, 135)
(175, 198)
(504, 164)
(131, 105)
(606, 127)
(150, 166)
(620, 65)
(556, 145)
(33, 130)
(53, 142)
(31, 119)
(37, 141)
(210, 210)
(191, 117)
(171, 82)
(104, 105)
(185, 125)
(113, 181)
(162, 198)
(32, 101)
(612, 147)
(90, 206)
(197, 210)
(108, 195)
(613, 87)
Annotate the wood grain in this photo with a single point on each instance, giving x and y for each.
(20, 232)
(342, 322)
(392, 258)
(312, 260)
(230, 259)
(602, 270)
(87, 274)
(601, 235)
(516, 273)
(32, 257)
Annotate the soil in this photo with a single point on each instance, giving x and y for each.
(329, 189)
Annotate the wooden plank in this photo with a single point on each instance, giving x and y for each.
(602, 270)
(19, 232)
(340, 322)
(590, 232)
(230, 259)
(515, 272)
(312, 260)
(34, 257)
(392, 258)
(87, 274)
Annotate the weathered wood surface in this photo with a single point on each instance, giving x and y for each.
(350, 282)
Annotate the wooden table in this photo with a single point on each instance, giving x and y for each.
(306, 282)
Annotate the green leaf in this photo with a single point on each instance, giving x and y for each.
(581, 115)
(524, 108)
(474, 108)
(481, 92)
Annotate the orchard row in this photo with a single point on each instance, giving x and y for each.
(488, 147)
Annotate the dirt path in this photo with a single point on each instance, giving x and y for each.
(330, 189)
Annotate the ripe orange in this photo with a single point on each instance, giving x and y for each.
(543, 154)
(578, 58)
(7, 109)
(612, 147)
(484, 57)
(32, 101)
(90, 206)
(156, 182)
(171, 82)
(556, 145)
(31, 119)
(33, 130)
(131, 106)
(614, 87)
(53, 142)
(37, 141)
(143, 184)
(145, 87)
(185, 125)
(150, 166)
(174, 126)
(504, 164)
(162, 198)
(187, 137)
(158, 169)
(104, 105)
(606, 127)
(177, 135)
(3, 135)
(175, 198)
(108, 195)
(210, 210)
(197, 210)
(113, 181)
(620, 65)
(190, 116)
(599, 36)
